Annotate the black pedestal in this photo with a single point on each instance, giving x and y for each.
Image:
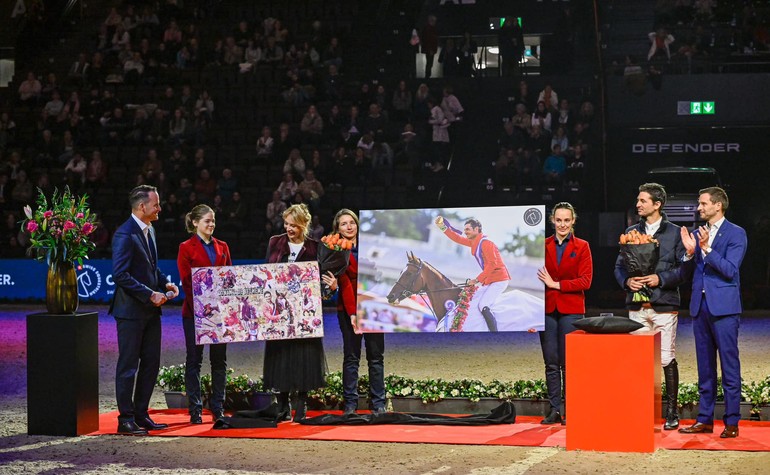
(62, 374)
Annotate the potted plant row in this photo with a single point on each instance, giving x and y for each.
(463, 396)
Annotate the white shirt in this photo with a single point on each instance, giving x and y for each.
(652, 228)
(294, 251)
(713, 230)
(144, 227)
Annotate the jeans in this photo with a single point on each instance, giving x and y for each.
(552, 339)
(351, 349)
(192, 374)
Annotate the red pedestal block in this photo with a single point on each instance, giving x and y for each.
(613, 391)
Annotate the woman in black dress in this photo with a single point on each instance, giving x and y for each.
(296, 364)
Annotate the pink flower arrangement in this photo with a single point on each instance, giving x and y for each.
(59, 230)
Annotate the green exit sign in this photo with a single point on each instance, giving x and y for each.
(697, 108)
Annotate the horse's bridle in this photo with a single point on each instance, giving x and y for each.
(406, 292)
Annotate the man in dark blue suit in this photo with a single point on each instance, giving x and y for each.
(140, 289)
(713, 260)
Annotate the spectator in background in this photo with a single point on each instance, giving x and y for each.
(376, 122)
(560, 139)
(75, 171)
(333, 85)
(265, 143)
(634, 77)
(564, 114)
(522, 121)
(468, 49)
(539, 142)
(295, 164)
(52, 109)
(177, 128)
(133, 69)
(205, 104)
(152, 164)
(316, 228)
(576, 162)
(157, 128)
(311, 126)
(272, 53)
(227, 185)
(76, 76)
(440, 138)
(7, 131)
(236, 212)
(511, 41)
(549, 97)
(275, 209)
(450, 58)
(49, 86)
(285, 142)
(555, 167)
(429, 44)
(511, 138)
(22, 191)
(205, 186)
(96, 172)
(401, 102)
(312, 190)
(332, 54)
(660, 40)
(287, 188)
(542, 118)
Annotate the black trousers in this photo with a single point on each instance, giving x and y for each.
(138, 365)
(552, 340)
(192, 373)
(351, 350)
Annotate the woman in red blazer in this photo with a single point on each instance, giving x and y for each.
(567, 275)
(201, 250)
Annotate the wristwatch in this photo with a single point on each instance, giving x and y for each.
(707, 250)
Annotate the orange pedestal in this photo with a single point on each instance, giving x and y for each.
(613, 392)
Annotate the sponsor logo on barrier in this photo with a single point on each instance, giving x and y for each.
(5, 279)
(89, 281)
(685, 148)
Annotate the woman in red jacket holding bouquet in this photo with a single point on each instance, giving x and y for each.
(346, 224)
(567, 275)
(201, 250)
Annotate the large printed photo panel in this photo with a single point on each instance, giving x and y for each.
(451, 269)
(257, 302)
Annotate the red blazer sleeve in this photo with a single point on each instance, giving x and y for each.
(348, 283)
(585, 271)
(184, 265)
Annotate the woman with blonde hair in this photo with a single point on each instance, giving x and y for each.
(201, 250)
(297, 364)
(346, 224)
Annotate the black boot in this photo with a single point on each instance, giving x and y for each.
(284, 407)
(489, 318)
(671, 374)
(301, 410)
(553, 418)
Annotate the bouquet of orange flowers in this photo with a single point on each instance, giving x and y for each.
(333, 256)
(640, 254)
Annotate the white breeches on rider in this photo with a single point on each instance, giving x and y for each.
(486, 295)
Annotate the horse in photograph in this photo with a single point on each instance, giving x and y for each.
(515, 310)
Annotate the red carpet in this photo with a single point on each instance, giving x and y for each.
(526, 432)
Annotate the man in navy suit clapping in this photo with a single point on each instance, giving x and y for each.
(140, 290)
(713, 260)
